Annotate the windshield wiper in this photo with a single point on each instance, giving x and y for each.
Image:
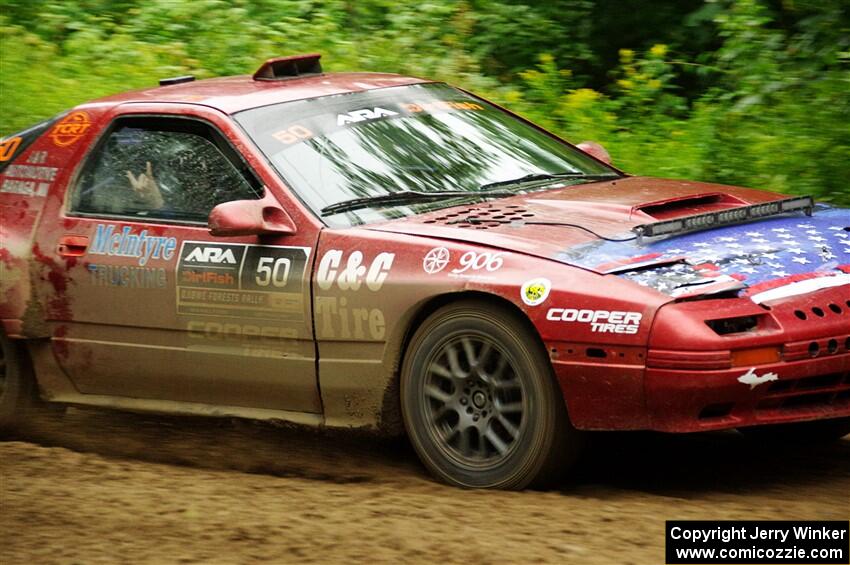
(407, 197)
(538, 177)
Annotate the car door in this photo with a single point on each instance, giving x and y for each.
(150, 304)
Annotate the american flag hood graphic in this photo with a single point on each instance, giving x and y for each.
(754, 259)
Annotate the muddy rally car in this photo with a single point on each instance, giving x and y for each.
(393, 254)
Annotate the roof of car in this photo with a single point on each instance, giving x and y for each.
(236, 93)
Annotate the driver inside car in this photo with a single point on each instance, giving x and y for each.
(146, 189)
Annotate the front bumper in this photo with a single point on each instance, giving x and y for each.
(793, 356)
(690, 401)
(803, 342)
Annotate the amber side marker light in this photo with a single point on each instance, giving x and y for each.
(756, 356)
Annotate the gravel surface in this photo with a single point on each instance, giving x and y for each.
(100, 487)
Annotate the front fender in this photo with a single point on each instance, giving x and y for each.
(369, 288)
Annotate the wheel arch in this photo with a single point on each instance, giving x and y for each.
(390, 420)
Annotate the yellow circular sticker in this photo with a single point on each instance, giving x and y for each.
(536, 291)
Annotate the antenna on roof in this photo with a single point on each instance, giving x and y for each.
(282, 68)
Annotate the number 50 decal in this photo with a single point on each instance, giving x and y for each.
(271, 270)
(292, 134)
(472, 261)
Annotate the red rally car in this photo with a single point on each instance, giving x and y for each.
(381, 252)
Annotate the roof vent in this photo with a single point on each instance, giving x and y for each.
(176, 80)
(282, 68)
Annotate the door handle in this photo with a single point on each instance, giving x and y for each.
(73, 245)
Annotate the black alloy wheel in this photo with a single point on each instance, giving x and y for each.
(480, 401)
(475, 401)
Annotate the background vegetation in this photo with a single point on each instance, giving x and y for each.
(751, 92)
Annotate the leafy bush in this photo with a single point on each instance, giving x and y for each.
(750, 92)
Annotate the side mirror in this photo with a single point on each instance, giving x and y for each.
(251, 217)
(595, 150)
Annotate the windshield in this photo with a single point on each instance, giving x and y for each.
(423, 138)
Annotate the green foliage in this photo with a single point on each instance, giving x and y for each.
(750, 92)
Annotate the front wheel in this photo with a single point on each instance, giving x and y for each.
(480, 402)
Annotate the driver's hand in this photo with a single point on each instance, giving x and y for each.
(146, 188)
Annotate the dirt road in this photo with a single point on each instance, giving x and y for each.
(110, 488)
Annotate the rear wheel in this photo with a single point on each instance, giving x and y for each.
(480, 402)
(17, 387)
(819, 431)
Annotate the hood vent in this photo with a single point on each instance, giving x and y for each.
(483, 217)
(688, 205)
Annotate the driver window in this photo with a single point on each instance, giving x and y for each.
(159, 168)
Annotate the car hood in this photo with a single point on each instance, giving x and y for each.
(593, 232)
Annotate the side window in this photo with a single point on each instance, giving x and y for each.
(160, 168)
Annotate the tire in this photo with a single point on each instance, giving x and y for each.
(819, 431)
(480, 403)
(17, 386)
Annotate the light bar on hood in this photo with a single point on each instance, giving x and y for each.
(725, 217)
